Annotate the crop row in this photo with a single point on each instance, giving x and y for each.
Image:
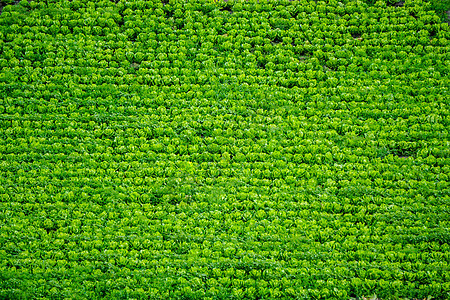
(223, 150)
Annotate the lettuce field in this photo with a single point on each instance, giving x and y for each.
(204, 149)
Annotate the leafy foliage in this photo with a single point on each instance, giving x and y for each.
(215, 150)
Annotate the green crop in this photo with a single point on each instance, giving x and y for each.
(224, 150)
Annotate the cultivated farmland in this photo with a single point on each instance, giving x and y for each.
(224, 150)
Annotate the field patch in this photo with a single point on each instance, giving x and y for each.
(224, 150)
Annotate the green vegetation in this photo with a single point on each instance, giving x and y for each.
(224, 150)
(442, 8)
